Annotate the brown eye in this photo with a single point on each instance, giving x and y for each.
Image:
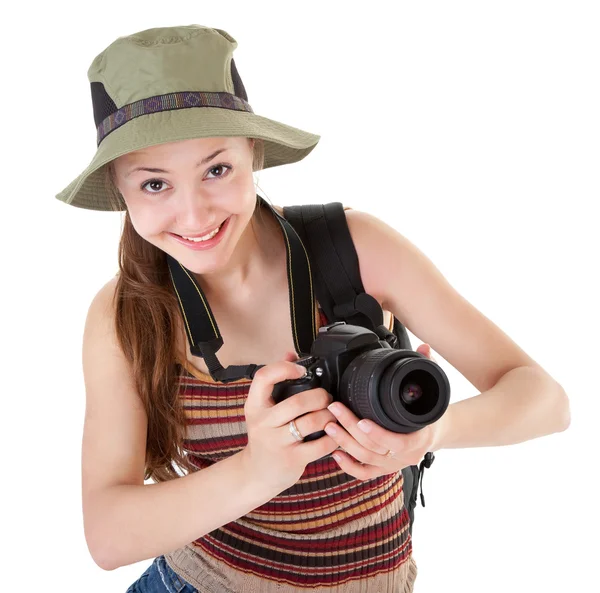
(218, 168)
(153, 183)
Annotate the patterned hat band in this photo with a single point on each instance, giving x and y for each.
(169, 102)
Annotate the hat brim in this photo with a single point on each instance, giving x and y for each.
(283, 144)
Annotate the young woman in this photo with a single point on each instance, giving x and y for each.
(239, 502)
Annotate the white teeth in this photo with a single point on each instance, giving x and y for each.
(205, 237)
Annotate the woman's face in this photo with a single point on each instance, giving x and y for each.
(193, 194)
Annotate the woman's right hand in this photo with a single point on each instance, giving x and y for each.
(272, 453)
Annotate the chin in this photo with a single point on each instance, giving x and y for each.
(201, 267)
(200, 262)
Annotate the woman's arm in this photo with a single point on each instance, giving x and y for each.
(524, 404)
(129, 523)
(125, 520)
(519, 400)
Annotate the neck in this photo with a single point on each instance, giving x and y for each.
(256, 257)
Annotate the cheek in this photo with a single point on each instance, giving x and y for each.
(148, 222)
(236, 195)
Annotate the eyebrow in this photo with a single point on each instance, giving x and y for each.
(205, 160)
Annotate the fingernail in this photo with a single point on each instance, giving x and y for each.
(304, 370)
(365, 426)
(334, 409)
(331, 429)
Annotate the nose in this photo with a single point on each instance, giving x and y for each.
(194, 212)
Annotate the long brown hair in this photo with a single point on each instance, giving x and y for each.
(146, 318)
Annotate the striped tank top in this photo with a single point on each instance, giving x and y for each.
(330, 532)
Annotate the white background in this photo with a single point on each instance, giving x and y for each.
(470, 127)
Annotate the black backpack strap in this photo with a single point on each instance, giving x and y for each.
(338, 286)
(323, 229)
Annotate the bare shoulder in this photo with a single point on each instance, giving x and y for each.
(389, 263)
(408, 283)
(103, 359)
(370, 235)
(101, 309)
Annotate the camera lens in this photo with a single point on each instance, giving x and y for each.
(399, 389)
(410, 392)
(415, 392)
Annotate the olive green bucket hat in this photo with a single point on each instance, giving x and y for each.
(168, 84)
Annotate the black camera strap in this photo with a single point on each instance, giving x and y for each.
(201, 326)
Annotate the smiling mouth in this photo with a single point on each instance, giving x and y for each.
(206, 236)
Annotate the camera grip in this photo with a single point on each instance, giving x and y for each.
(285, 389)
(289, 387)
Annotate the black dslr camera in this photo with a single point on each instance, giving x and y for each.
(400, 390)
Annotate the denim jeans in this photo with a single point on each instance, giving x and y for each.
(160, 578)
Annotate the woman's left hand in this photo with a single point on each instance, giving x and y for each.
(378, 451)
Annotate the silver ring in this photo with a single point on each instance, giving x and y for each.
(295, 432)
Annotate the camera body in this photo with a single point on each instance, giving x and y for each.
(399, 389)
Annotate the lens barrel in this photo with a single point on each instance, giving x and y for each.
(400, 390)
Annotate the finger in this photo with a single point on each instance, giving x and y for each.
(313, 422)
(311, 450)
(290, 356)
(354, 468)
(394, 441)
(350, 421)
(261, 389)
(299, 404)
(349, 444)
(424, 349)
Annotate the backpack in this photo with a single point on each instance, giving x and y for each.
(314, 234)
(324, 232)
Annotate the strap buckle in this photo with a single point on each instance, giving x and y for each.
(426, 463)
(362, 304)
(386, 335)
